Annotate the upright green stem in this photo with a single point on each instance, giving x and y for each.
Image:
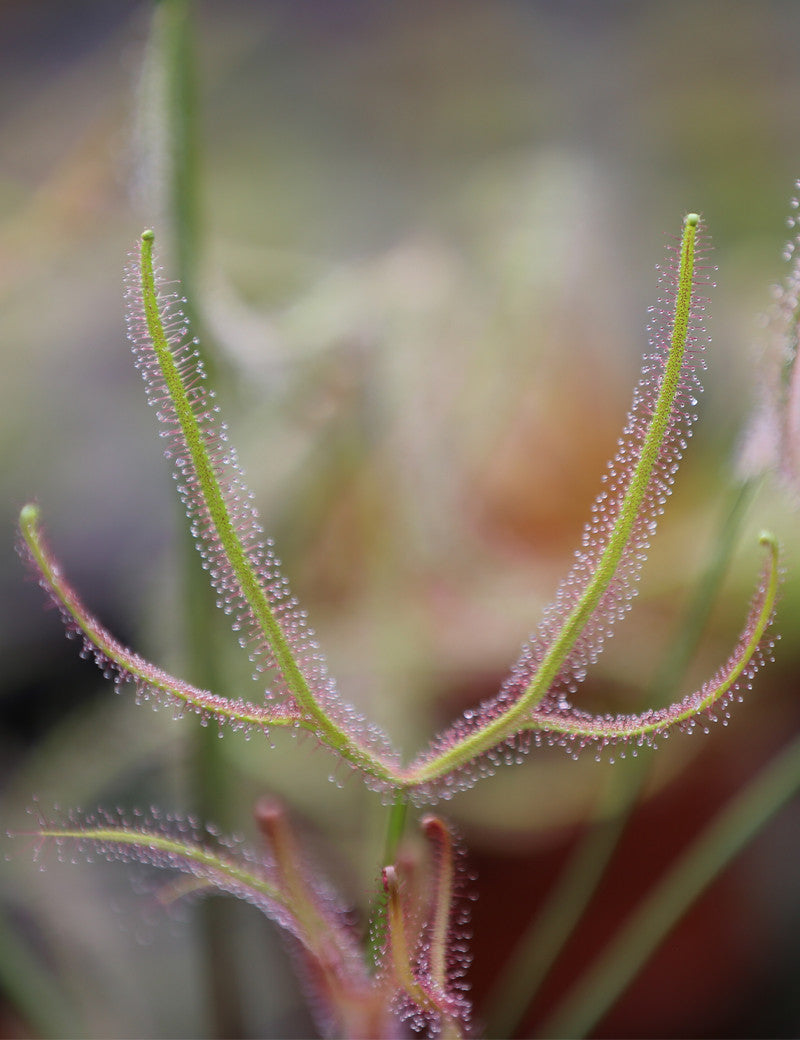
(537, 950)
(173, 44)
(173, 38)
(729, 832)
(395, 827)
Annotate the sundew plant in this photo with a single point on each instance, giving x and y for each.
(405, 970)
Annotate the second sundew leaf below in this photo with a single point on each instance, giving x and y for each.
(318, 920)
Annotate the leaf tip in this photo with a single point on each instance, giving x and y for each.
(148, 235)
(768, 539)
(691, 219)
(389, 879)
(432, 827)
(29, 516)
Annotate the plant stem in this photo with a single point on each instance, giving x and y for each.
(395, 827)
(174, 45)
(733, 827)
(546, 936)
(173, 42)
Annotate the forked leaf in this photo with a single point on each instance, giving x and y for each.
(533, 704)
(444, 769)
(420, 973)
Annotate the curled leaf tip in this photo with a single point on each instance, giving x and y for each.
(267, 810)
(148, 235)
(691, 219)
(431, 824)
(389, 879)
(29, 515)
(767, 538)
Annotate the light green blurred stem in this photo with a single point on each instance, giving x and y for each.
(173, 46)
(546, 937)
(541, 944)
(733, 827)
(172, 57)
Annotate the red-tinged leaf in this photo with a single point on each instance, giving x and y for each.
(123, 666)
(425, 954)
(576, 729)
(205, 462)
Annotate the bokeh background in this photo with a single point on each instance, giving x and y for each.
(428, 242)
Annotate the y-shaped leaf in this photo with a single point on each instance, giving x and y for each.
(598, 589)
(594, 595)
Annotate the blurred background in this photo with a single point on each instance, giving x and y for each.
(426, 249)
